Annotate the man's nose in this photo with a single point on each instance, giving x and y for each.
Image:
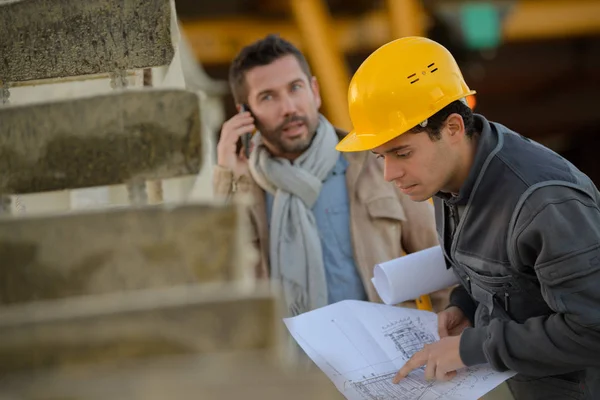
(392, 170)
(288, 106)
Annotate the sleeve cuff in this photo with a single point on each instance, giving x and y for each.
(471, 346)
(225, 183)
(461, 299)
(222, 181)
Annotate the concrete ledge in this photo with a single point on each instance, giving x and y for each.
(221, 376)
(103, 251)
(100, 140)
(43, 39)
(137, 325)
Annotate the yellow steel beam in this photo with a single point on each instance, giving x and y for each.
(315, 26)
(217, 41)
(551, 19)
(406, 18)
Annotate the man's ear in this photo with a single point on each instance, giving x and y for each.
(455, 126)
(314, 85)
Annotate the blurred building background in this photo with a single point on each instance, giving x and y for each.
(534, 63)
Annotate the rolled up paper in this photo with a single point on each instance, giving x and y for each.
(412, 275)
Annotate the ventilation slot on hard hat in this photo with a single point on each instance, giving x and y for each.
(412, 76)
(431, 65)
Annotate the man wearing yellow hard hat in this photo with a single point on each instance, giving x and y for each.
(519, 225)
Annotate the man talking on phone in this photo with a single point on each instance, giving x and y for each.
(304, 191)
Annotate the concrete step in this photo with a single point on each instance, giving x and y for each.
(138, 325)
(45, 39)
(94, 252)
(100, 140)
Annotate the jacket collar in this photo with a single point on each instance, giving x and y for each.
(488, 141)
(355, 160)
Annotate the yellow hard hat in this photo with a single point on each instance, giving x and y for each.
(398, 87)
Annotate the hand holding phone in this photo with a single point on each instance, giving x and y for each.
(246, 137)
(236, 135)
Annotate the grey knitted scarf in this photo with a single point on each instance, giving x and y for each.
(296, 259)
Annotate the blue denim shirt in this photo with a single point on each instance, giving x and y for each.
(332, 213)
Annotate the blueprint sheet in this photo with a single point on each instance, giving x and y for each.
(360, 346)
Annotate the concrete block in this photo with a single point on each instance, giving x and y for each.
(43, 39)
(101, 251)
(138, 325)
(99, 140)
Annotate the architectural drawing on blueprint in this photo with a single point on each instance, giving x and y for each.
(415, 387)
(360, 346)
(408, 336)
(381, 387)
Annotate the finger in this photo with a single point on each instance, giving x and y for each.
(416, 361)
(243, 125)
(448, 376)
(443, 373)
(430, 371)
(242, 157)
(442, 325)
(237, 121)
(440, 373)
(244, 114)
(443, 331)
(456, 331)
(232, 135)
(240, 119)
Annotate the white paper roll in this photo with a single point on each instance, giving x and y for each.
(413, 275)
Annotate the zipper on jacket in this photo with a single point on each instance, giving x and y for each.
(454, 220)
(450, 225)
(454, 216)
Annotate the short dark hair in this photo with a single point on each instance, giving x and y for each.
(437, 120)
(262, 52)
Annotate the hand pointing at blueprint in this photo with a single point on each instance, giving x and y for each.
(361, 347)
(441, 360)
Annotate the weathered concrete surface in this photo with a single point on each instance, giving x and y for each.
(94, 252)
(138, 325)
(99, 140)
(223, 376)
(41, 39)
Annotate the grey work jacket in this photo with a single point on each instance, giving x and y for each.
(523, 236)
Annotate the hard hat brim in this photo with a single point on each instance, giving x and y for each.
(354, 141)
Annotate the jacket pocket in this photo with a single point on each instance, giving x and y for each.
(507, 296)
(386, 207)
(381, 234)
(570, 267)
(572, 284)
(580, 302)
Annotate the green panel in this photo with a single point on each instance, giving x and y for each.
(481, 27)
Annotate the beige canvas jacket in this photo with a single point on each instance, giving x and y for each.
(384, 223)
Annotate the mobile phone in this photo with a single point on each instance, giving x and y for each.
(246, 137)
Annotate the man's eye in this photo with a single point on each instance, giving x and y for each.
(379, 156)
(403, 155)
